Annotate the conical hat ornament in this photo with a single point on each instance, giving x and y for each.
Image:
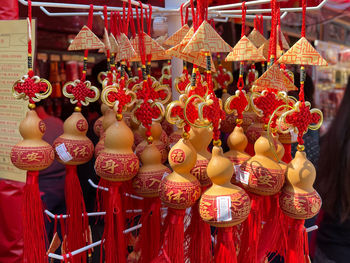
(177, 37)
(151, 46)
(32, 154)
(273, 79)
(206, 39)
(303, 53)
(194, 57)
(256, 38)
(86, 39)
(245, 50)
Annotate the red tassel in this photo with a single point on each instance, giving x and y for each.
(149, 238)
(297, 251)
(225, 251)
(173, 242)
(272, 238)
(34, 234)
(250, 149)
(76, 223)
(115, 245)
(198, 238)
(251, 231)
(287, 157)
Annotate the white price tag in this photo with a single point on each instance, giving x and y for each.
(241, 176)
(237, 172)
(165, 175)
(223, 204)
(293, 136)
(244, 177)
(63, 153)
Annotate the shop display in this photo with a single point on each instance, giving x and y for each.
(169, 195)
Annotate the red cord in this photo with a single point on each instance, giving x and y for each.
(261, 24)
(182, 15)
(244, 12)
(128, 19)
(304, 18)
(194, 17)
(30, 26)
(132, 24)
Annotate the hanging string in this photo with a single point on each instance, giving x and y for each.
(132, 25)
(86, 52)
(261, 29)
(302, 68)
(194, 17)
(128, 19)
(256, 22)
(304, 18)
(108, 52)
(244, 12)
(182, 15)
(30, 59)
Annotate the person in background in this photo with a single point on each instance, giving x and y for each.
(51, 180)
(333, 183)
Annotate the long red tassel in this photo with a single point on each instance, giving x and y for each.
(225, 250)
(272, 236)
(251, 231)
(297, 251)
(173, 242)
(198, 238)
(149, 238)
(287, 157)
(250, 149)
(115, 245)
(34, 234)
(76, 224)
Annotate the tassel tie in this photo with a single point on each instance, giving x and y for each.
(225, 250)
(34, 234)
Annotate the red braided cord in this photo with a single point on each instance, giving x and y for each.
(105, 15)
(30, 26)
(132, 24)
(256, 21)
(194, 17)
(279, 32)
(128, 19)
(244, 12)
(304, 18)
(149, 18)
(182, 15)
(124, 16)
(261, 24)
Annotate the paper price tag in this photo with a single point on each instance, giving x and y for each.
(63, 153)
(237, 172)
(244, 177)
(241, 176)
(294, 136)
(223, 204)
(165, 175)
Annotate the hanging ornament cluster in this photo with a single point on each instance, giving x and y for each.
(191, 202)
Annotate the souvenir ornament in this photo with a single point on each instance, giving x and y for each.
(179, 35)
(220, 170)
(32, 154)
(73, 148)
(116, 164)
